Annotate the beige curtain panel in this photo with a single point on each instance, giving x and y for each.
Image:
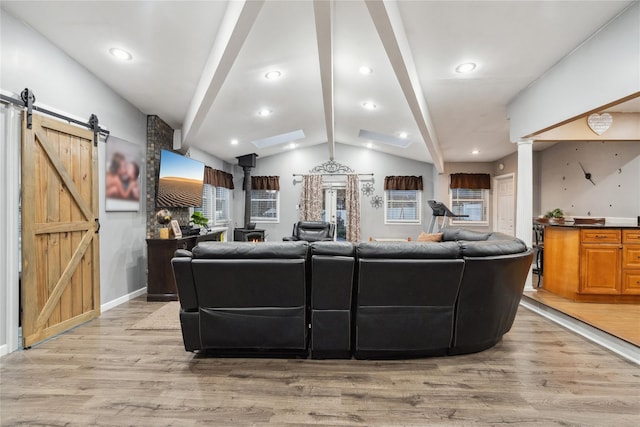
(353, 208)
(311, 198)
(474, 181)
(218, 178)
(403, 183)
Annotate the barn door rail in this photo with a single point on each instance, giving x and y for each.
(28, 100)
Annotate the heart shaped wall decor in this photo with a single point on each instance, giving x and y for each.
(599, 123)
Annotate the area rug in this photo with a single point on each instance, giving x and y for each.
(166, 317)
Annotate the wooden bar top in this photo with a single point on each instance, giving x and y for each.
(605, 225)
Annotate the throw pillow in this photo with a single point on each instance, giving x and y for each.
(434, 237)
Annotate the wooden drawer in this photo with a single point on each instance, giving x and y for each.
(599, 235)
(630, 236)
(631, 256)
(631, 282)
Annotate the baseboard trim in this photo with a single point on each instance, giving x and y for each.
(618, 346)
(116, 302)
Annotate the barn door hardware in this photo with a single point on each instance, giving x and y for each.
(28, 98)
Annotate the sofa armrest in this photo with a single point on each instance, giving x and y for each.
(184, 281)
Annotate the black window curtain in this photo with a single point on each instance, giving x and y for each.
(473, 181)
(218, 178)
(265, 183)
(403, 183)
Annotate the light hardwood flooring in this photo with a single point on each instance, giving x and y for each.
(620, 320)
(103, 374)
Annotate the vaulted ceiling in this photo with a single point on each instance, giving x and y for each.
(201, 67)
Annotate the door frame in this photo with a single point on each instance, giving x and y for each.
(494, 218)
(9, 226)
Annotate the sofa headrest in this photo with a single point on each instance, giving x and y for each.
(313, 225)
(451, 234)
(332, 248)
(409, 250)
(494, 247)
(243, 250)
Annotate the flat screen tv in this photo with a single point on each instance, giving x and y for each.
(180, 181)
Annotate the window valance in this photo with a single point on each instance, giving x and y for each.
(218, 178)
(403, 183)
(265, 183)
(474, 181)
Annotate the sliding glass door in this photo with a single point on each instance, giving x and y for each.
(334, 209)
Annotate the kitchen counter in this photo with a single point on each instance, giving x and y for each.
(593, 262)
(606, 225)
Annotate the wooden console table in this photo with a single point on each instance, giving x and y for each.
(161, 285)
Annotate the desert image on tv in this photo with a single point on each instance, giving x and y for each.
(177, 192)
(179, 182)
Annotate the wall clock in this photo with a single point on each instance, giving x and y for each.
(587, 175)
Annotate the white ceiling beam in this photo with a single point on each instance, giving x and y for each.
(234, 29)
(388, 23)
(323, 12)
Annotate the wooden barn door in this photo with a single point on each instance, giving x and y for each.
(60, 245)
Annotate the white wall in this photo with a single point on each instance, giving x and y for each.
(604, 69)
(615, 167)
(361, 160)
(30, 60)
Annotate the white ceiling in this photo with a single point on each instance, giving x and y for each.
(513, 43)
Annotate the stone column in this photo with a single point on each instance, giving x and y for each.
(524, 200)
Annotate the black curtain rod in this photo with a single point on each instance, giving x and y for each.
(332, 174)
(27, 102)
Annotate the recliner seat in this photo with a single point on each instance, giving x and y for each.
(312, 231)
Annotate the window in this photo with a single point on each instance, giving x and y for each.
(221, 205)
(402, 207)
(472, 202)
(215, 204)
(265, 206)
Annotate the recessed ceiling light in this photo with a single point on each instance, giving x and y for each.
(474, 152)
(366, 70)
(234, 142)
(120, 54)
(273, 75)
(369, 145)
(369, 105)
(403, 135)
(264, 112)
(290, 146)
(467, 67)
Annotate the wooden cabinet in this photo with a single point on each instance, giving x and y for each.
(600, 261)
(631, 262)
(161, 285)
(599, 269)
(593, 264)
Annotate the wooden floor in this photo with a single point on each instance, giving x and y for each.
(104, 374)
(620, 320)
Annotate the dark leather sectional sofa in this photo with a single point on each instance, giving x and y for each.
(338, 300)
